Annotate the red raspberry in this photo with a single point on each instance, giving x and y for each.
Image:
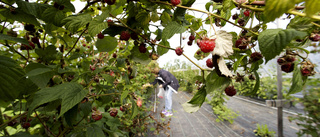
(241, 43)
(113, 112)
(241, 22)
(207, 45)
(209, 63)
(255, 56)
(25, 125)
(110, 22)
(125, 35)
(110, 2)
(287, 67)
(246, 13)
(122, 109)
(305, 71)
(235, 16)
(92, 68)
(84, 44)
(142, 48)
(175, 2)
(114, 55)
(179, 51)
(31, 46)
(191, 37)
(100, 36)
(134, 36)
(35, 40)
(281, 61)
(96, 117)
(190, 43)
(290, 58)
(230, 91)
(314, 37)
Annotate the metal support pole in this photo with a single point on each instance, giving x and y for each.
(279, 88)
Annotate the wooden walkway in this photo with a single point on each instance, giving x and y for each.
(203, 122)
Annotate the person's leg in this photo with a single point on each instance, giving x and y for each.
(168, 104)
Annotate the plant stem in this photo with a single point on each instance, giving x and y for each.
(103, 95)
(192, 62)
(44, 124)
(209, 13)
(89, 4)
(13, 118)
(75, 42)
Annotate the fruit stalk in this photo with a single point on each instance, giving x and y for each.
(44, 124)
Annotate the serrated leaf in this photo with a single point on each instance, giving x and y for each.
(53, 15)
(214, 82)
(162, 50)
(199, 97)
(312, 7)
(223, 44)
(179, 13)
(73, 23)
(124, 95)
(208, 5)
(7, 37)
(40, 76)
(275, 8)
(96, 27)
(165, 19)
(196, 23)
(85, 108)
(135, 110)
(143, 17)
(154, 16)
(48, 54)
(140, 57)
(10, 75)
(273, 41)
(95, 131)
(298, 80)
(19, 15)
(71, 115)
(35, 9)
(70, 93)
(106, 44)
(300, 24)
(225, 14)
(223, 67)
(171, 29)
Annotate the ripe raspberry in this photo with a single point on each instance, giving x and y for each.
(209, 63)
(110, 22)
(255, 56)
(235, 16)
(281, 61)
(31, 46)
(230, 91)
(290, 58)
(305, 71)
(96, 117)
(142, 48)
(241, 43)
(100, 36)
(35, 40)
(246, 13)
(307, 68)
(110, 2)
(125, 35)
(134, 36)
(114, 55)
(241, 22)
(122, 109)
(190, 43)
(288, 67)
(314, 37)
(191, 37)
(25, 125)
(92, 68)
(207, 45)
(175, 2)
(113, 112)
(84, 44)
(179, 51)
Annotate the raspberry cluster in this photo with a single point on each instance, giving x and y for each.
(255, 56)
(286, 62)
(206, 45)
(191, 39)
(179, 51)
(242, 43)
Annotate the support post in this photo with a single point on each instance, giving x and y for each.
(280, 107)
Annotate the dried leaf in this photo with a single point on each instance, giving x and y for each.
(223, 67)
(223, 44)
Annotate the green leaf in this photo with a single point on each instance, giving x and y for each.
(190, 108)
(114, 30)
(135, 110)
(312, 7)
(208, 5)
(179, 13)
(53, 15)
(19, 15)
(171, 29)
(162, 50)
(300, 24)
(225, 14)
(154, 16)
(108, 78)
(41, 76)
(7, 37)
(70, 93)
(48, 54)
(96, 27)
(35, 9)
(143, 17)
(257, 85)
(106, 44)
(71, 116)
(124, 95)
(273, 41)
(165, 19)
(214, 82)
(196, 23)
(95, 131)
(10, 75)
(275, 8)
(199, 97)
(140, 57)
(298, 80)
(85, 108)
(73, 23)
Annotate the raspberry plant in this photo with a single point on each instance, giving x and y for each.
(57, 81)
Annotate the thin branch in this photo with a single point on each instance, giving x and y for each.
(102, 95)
(74, 45)
(44, 124)
(16, 51)
(88, 5)
(12, 119)
(209, 13)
